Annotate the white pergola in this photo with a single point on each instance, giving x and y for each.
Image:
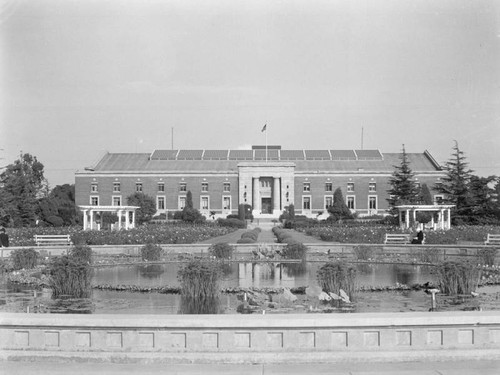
(443, 210)
(123, 213)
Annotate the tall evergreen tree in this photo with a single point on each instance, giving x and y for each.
(403, 188)
(189, 199)
(455, 186)
(339, 210)
(424, 195)
(483, 196)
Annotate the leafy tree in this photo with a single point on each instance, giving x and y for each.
(147, 207)
(22, 183)
(339, 210)
(64, 198)
(455, 186)
(403, 189)
(108, 219)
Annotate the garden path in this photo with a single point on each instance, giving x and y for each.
(301, 237)
(265, 236)
(229, 238)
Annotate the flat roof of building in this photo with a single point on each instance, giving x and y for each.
(228, 160)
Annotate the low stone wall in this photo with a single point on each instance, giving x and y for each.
(308, 338)
(344, 250)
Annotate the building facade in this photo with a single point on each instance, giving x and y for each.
(268, 179)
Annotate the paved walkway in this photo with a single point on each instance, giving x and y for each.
(403, 368)
(265, 236)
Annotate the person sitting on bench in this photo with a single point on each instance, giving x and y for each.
(419, 239)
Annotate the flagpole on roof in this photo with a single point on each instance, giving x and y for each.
(264, 129)
(266, 142)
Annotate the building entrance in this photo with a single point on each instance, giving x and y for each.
(267, 206)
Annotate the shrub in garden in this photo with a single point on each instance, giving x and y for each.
(200, 287)
(151, 252)
(457, 277)
(81, 253)
(24, 258)
(294, 250)
(282, 235)
(221, 250)
(252, 235)
(177, 215)
(487, 256)
(70, 277)
(334, 276)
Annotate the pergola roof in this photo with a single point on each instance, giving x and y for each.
(425, 207)
(109, 208)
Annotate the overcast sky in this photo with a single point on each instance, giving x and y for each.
(79, 78)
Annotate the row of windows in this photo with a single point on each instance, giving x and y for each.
(350, 202)
(372, 187)
(94, 187)
(160, 202)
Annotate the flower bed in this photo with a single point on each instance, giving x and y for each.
(376, 234)
(152, 233)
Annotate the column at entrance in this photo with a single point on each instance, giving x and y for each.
(256, 196)
(276, 196)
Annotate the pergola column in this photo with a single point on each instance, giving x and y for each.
(256, 196)
(407, 218)
(400, 214)
(85, 220)
(276, 196)
(91, 219)
(448, 217)
(120, 219)
(414, 215)
(133, 219)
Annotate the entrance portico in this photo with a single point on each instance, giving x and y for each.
(267, 186)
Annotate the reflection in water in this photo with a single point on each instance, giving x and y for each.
(66, 305)
(227, 269)
(151, 271)
(15, 297)
(295, 269)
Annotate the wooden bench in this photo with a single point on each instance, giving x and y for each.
(396, 238)
(492, 239)
(52, 239)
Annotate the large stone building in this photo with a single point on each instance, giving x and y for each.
(267, 179)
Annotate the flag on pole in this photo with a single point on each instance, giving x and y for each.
(264, 128)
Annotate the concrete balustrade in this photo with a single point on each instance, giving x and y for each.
(308, 338)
